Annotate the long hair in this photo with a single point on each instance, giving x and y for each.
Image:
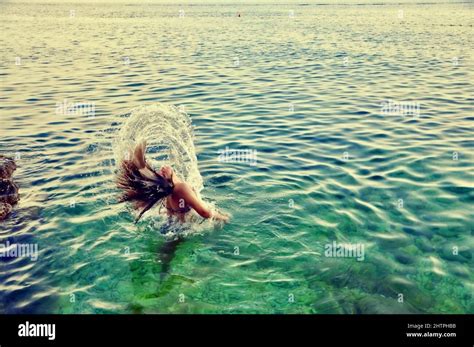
(141, 184)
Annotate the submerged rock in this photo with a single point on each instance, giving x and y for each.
(382, 305)
(461, 254)
(8, 189)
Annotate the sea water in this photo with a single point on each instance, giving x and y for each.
(320, 92)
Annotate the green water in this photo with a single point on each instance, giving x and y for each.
(302, 85)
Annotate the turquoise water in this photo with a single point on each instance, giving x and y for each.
(302, 85)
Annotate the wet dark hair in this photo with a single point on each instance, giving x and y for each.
(144, 192)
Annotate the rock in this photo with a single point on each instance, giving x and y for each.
(456, 253)
(7, 166)
(393, 285)
(5, 210)
(382, 305)
(8, 191)
(404, 258)
(391, 240)
(424, 244)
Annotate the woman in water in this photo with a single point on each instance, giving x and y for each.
(145, 187)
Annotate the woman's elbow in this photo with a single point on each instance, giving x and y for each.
(205, 213)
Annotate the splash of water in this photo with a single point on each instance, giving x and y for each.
(169, 135)
(170, 140)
